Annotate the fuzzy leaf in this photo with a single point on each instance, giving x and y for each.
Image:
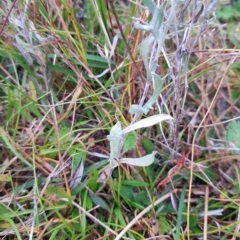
(156, 22)
(144, 51)
(137, 109)
(147, 122)
(141, 162)
(150, 4)
(115, 140)
(146, 27)
(157, 83)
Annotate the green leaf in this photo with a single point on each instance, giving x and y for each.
(135, 183)
(232, 133)
(17, 57)
(33, 108)
(120, 216)
(88, 203)
(130, 142)
(82, 217)
(60, 69)
(27, 185)
(95, 61)
(193, 219)
(128, 196)
(100, 202)
(14, 227)
(235, 94)
(142, 198)
(165, 226)
(75, 225)
(147, 145)
(180, 211)
(236, 6)
(63, 136)
(58, 190)
(225, 13)
(196, 229)
(93, 177)
(8, 142)
(209, 174)
(43, 11)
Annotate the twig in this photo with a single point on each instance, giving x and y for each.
(8, 14)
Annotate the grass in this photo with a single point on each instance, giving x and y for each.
(88, 147)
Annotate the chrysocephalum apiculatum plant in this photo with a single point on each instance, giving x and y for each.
(151, 45)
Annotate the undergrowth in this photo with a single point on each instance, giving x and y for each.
(119, 120)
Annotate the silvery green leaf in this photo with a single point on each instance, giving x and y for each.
(115, 140)
(116, 129)
(217, 212)
(157, 83)
(141, 162)
(113, 47)
(147, 122)
(154, 65)
(157, 20)
(144, 51)
(146, 27)
(137, 109)
(150, 4)
(106, 51)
